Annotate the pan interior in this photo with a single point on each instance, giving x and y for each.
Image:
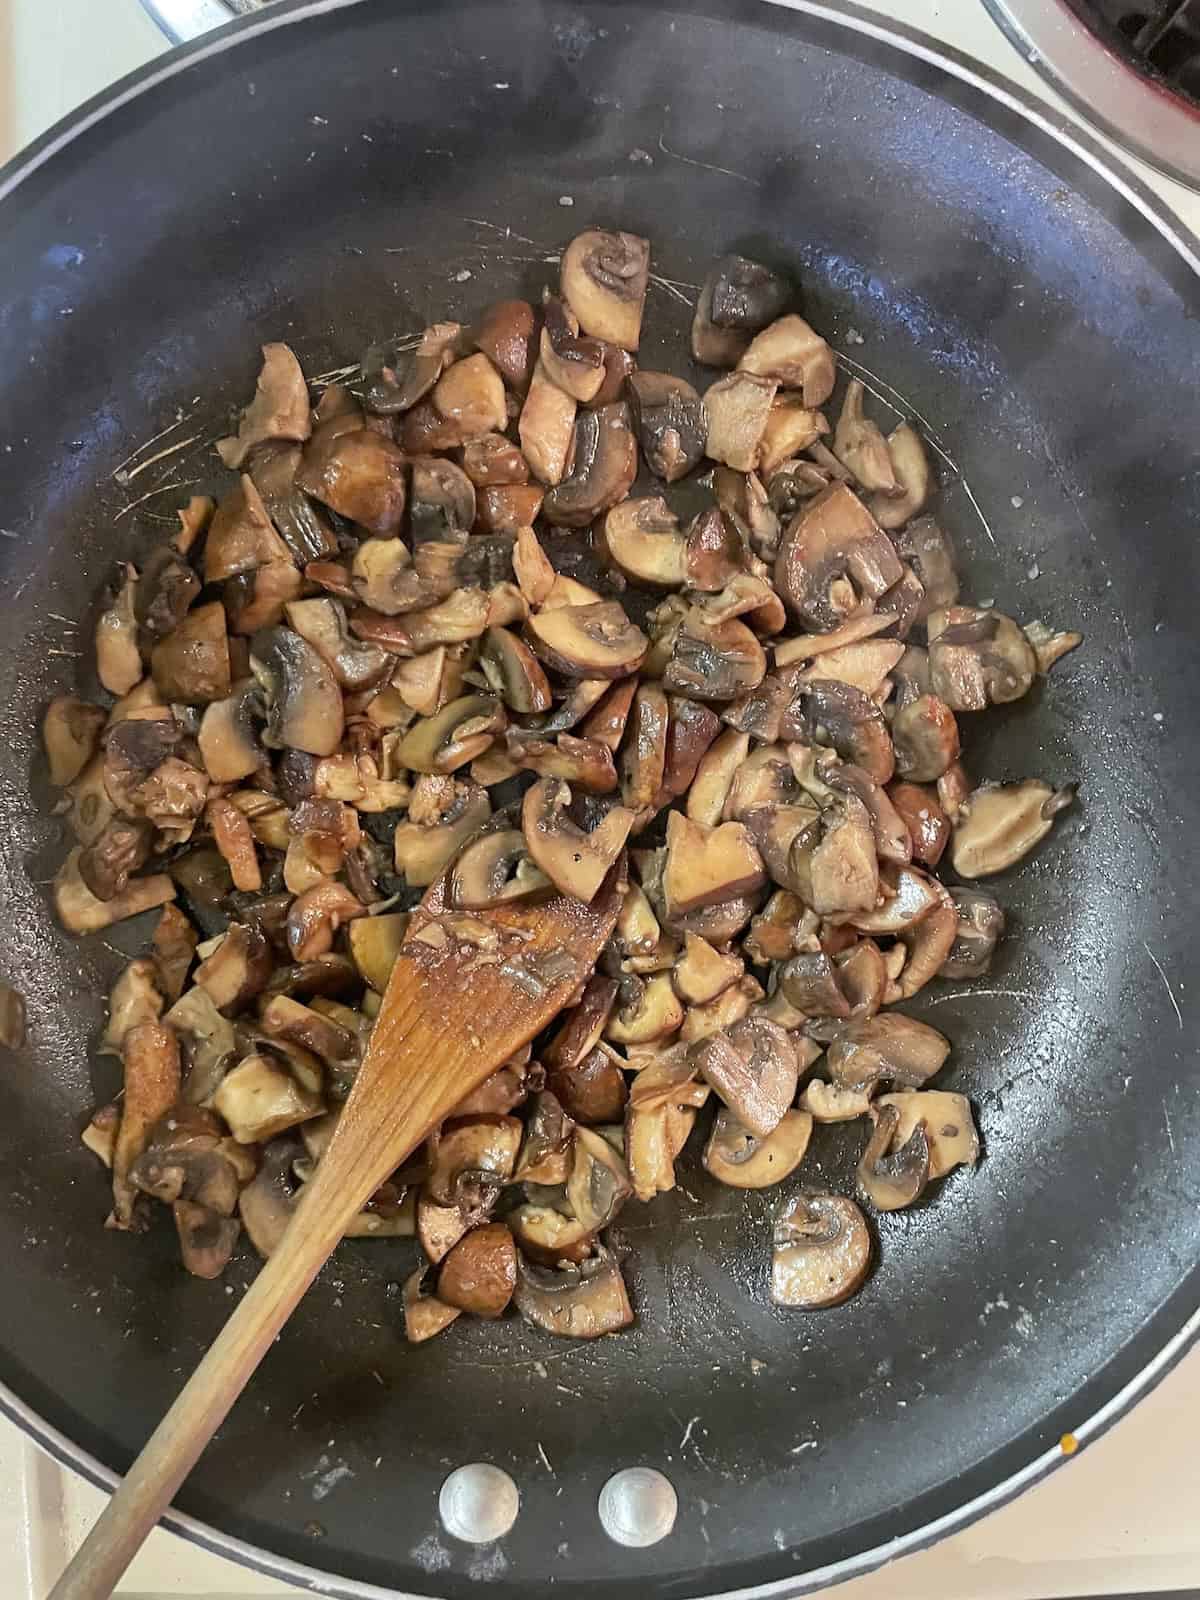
(368, 170)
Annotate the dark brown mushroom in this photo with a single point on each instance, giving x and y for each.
(791, 354)
(397, 374)
(890, 1046)
(605, 724)
(752, 1066)
(150, 1054)
(691, 732)
(107, 864)
(847, 720)
(279, 409)
(238, 969)
(425, 1314)
(492, 461)
(441, 501)
(810, 981)
(546, 1146)
(580, 1301)
(821, 1254)
(592, 1089)
(165, 590)
(322, 623)
(999, 824)
(577, 862)
(925, 736)
(191, 665)
(832, 864)
(604, 277)
(714, 660)
(671, 423)
(744, 500)
(241, 536)
(359, 475)
(443, 813)
(256, 599)
(928, 825)
(833, 558)
(303, 700)
(480, 1273)
(588, 641)
(507, 509)
(738, 407)
(891, 1181)
(715, 552)
(507, 334)
(603, 467)
(978, 658)
(80, 911)
(735, 1156)
(546, 428)
(746, 295)
(513, 672)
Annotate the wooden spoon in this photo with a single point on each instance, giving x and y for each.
(467, 991)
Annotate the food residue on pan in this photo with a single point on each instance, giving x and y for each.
(452, 628)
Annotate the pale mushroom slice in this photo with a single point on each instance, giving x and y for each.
(707, 866)
(948, 1122)
(593, 640)
(910, 468)
(999, 824)
(425, 1315)
(575, 861)
(580, 1301)
(978, 658)
(980, 924)
(546, 428)
(279, 409)
(734, 1156)
(71, 732)
(821, 1254)
(642, 538)
(738, 408)
(892, 1177)
(859, 445)
(795, 356)
(830, 1102)
(604, 279)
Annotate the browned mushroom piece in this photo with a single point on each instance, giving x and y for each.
(174, 951)
(507, 334)
(791, 427)
(777, 931)
(71, 732)
(546, 1147)
(441, 501)
(470, 394)
(453, 736)
(864, 665)
(954, 789)
(80, 911)
(443, 814)
(890, 1178)
(830, 1102)
(360, 475)
(910, 470)
(191, 665)
(791, 354)
(999, 824)
(575, 861)
(928, 825)
(606, 723)
(947, 1120)
(715, 774)
(228, 734)
(596, 640)
(425, 1314)
(691, 732)
(859, 445)
(550, 1236)
(642, 538)
(907, 897)
(671, 423)
(926, 548)
(303, 700)
(702, 973)
(495, 869)
(260, 1098)
(744, 500)
(810, 982)
(890, 1046)
(833, 559)
(821, 1253)
(708, 866)
(978, 658)
(256, 599)
(575, 1301)
(644, 752)
(106, 865)
(574, 362)
(118, 660)
(736, 1004)
(715, 661)
(928, 943)
(492, 462)
(846, 719)
(305, 528)
(480, 1273)
(831, 862)
(603, 467)
(735, 1156)
(599, 1183)
(315, 917)
(547, 428)
(241, 536)
(604, 278)
(279, 409)
(752, 1066)
(150, 1053)
(649, 1011)
(398, 373)
(738, 408)
(715, 550)
(238, 969)
(980, 925)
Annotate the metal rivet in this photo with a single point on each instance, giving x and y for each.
(478, 1503)
(637, 1507)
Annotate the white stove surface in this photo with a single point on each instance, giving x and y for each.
(1119, 1518)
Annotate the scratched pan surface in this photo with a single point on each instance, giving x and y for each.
(313, 179)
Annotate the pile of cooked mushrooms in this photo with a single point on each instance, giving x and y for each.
(438, 629)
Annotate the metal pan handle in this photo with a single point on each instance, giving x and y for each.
(182, 20)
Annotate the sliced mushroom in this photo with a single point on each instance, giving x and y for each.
(891, 1181)
(978, 658)
(397, 377)
(838, 715)
(588, 641)
(671, 423)
(507, 334)
(471, 394)
(425, 1314)
(576, 364)
(443, 814)
(714, 660)
(831, 862)
(830, 1102)
(374, 945)
(1049, 644)
(910, 471)
(279, 409)
(241, 536)
(791, 427)
(821, 1254)
(928, 825)
(738, 408)
(752, 1066)
(702, 1022)
(599, 1183)
(549, 1236)
(315, 917)
(135, 999)
(889, 1045)
(691, 732)
(304, 702)
(711, 786)
(702, 973)
(707, 866)
(79, 910)
(580, 1301)
(790, 353)
(999, 824)
(71, 732)
(359, 475)
(546, 1147)
(606, 723)
(480, 1272)
(118, 661)
(714, 550)
(810, 983)
(650, 1011)
(475, 1158)
(259, 1098)
(439, 1228)
(106, 865)
(150, 1053)
(948, 1123)
(980, 925)
(834, 558)
(228, 734)
(495, 869)
(452, 737)
(604, 278)
(734, 1156)
(745, 294)
(908, 896)
(777, 931)
(603, 467)
(513, 672)
(864, 665)
(546, 428)
(642, 538)
(859, 445)
(191, 665)
(926, 547)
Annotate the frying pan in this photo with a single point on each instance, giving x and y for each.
(329, 172)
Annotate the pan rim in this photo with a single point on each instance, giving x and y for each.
(993, 87)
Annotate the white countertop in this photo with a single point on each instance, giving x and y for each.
(1118, 1518)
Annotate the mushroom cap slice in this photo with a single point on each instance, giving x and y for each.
(599, 1183)
(910, 470)
(889, 1177)
(493, 870)
(304, 701)
(228, 734)
(507, 334)
(829, 1102)
(738, 408)
(928, 825)
(671, 422)
(714, 660)
(998, 824)
(795, 356)
(425, 1315)
(596, 640)
(822, 1252)
(360, 475)
(453, 736)
(603, 467)
(831, 863)
(834, 558)
(191, 665)
(653, 1013)
(978, 658)
(948, 1122)
(279, 409)
(707, 866)
(604, 278)
(444, 813)
(480, 1273)
(980, 924)
(71, 732)
(513, 672)
(475, 1157)
(734, 1156)
(470, 393)
(753, 1068)
(844, 718)
(396, 378)
(575, 364)
(889, 1045)
(745, 294)
(575, 861)
(576, 1302)
(859, 445)
(642, 537)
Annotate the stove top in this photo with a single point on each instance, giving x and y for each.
(1159, 37)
